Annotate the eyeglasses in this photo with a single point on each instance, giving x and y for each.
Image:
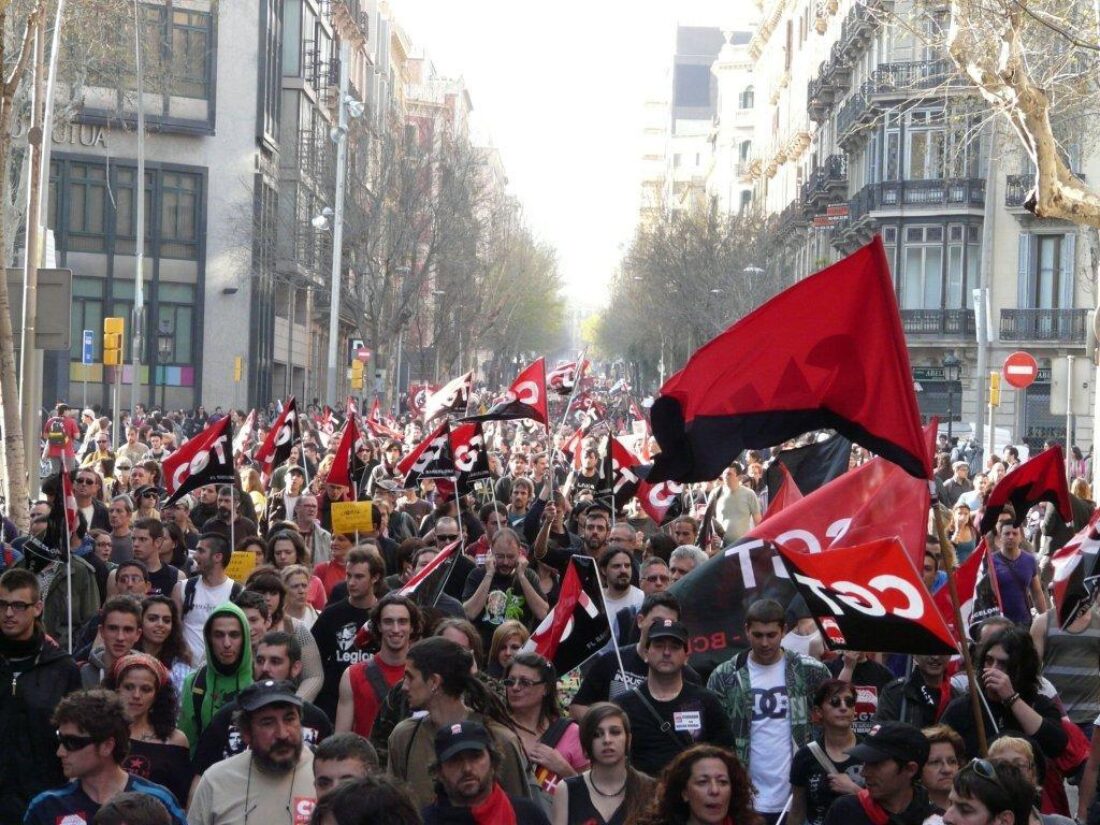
(984, 768)
(71, 742)
(14, 607)
(446, 536)
(84, 481)
(847, 701)
(657, 578)
(523, 684)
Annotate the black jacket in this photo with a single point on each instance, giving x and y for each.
(28, 758)
(442, 812)
(904, 700)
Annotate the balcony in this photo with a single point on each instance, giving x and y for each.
(1067, 326)
(792, 217)
(893, 195)
(1018, 187)
(946, 323)
(827, 183)
(860, 24)
(892, 80)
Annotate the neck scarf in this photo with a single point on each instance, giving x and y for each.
(496, 810)
(875, 812)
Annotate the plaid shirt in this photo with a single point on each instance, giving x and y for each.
(730, 680)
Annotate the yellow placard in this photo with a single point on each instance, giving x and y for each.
(352, 516)
(241, 565)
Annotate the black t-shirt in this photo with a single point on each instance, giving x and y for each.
(505, 601)
(335, 631)
(222, 739)
(807, 773)
(162, 582)
(869, 678)
(694, 716)
(847, 811)
(604, 681)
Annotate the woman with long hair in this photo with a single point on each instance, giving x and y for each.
(267, 582)
(251, 484)
(162, 638)
(285, 548)
(963, 536)
(174, 551)
(610, 792)
(158, 749)
(506, 643)
(704, 785)
(296, 577)
(551, 742)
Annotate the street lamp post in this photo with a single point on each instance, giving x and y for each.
(951, 369)
(165, 346)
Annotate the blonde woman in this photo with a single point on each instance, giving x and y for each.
(251, 484)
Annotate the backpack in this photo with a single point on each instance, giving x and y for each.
(55, 432)
(191, 586)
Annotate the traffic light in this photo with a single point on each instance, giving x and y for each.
(357, 374)
(994, 388)
(112, 341)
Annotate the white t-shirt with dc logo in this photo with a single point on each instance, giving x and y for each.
(770, 737)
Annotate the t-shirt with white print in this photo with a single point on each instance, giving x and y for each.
(770, 742)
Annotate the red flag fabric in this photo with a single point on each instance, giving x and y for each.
(1042, 478)
(205, 459)
(563, 377)
(341, 470)
(72, 510)
(967, 577)
(432, 457)
(828, 353)
(787, 494)
(657, 499)
(576, 626)
(413, 583)
(276, 447)
(1075, 579)
(875, 597)
(526, 398)
(379, 427)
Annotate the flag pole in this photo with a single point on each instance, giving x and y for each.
(576, 386)
(68, 571)
(453, 560)
(947, 551)
(606, 612)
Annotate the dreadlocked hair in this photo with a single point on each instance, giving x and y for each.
(454, 665)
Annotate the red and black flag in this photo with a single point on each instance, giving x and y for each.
(243, 439)
(347, 468)
(1076, 578)
(431, 458)
(828, 353)
(439, 561)
(978, 595)
(68, 498)
(662, 502)
(576, 626)
(869, 596)
(453, 398)
(1042, 478)
(563, 378)
(471, 459)
(205, 459)
(380, 426)
(811, 466)
(284, 435)
(526, 398)
(786, 494)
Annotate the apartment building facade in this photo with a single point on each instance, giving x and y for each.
(862, 127)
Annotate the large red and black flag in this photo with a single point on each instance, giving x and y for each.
(205, 459)
(827, 353)
(283, 435)
(1042, 478)
(347, 468)
(431, 458)
(874, 501)
(471, 459)
(1076, 579)
(526, 398)
(453, 398)
(576, 626)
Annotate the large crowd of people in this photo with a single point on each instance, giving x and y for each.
(141, 683)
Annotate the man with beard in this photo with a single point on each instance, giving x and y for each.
(272, 781)
(597, 529)
(504, 588)
(242, 526)
(465, 770)
(395, 625)
(617, 568)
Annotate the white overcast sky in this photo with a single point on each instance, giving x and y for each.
(559, 89)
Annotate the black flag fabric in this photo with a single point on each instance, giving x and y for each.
(205, 459)
(811, 466)
(1042, 478)
(471, 460)
(284, 435)
(870, 596)
(576, 626)
(526, 398)
(432, 458)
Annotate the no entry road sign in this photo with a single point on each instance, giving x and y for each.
(1020, 370)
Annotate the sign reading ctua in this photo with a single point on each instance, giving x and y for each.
(69, 134)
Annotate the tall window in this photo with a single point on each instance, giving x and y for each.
(925, 150)
(964, 257)
(87, 207)
(177, 51)
(746, 100)
(922, 268)
(1048, 271)
(87, 312)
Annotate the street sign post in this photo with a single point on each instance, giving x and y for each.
(1020, 370)
(86, 355)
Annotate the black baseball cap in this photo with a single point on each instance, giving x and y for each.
(268, 692)
(464, 736)
(667, 629)
(892, 740)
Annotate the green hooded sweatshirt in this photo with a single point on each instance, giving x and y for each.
(214, 685)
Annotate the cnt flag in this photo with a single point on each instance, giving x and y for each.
(792, 366)
(284, 435)
(526, 398)
(576, 626)
(471, 460)
(1075, 575)
(205, 459)
(563, 377)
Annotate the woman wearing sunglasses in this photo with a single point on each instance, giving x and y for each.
(822, 770)
(988, 794)
(552, 743)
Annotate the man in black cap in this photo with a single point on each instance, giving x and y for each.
(466, 787)
(893, 757)
(666, 713)
(272, 781)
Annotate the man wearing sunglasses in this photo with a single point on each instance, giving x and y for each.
(86, 484)
(893, 756)
(92, 739)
